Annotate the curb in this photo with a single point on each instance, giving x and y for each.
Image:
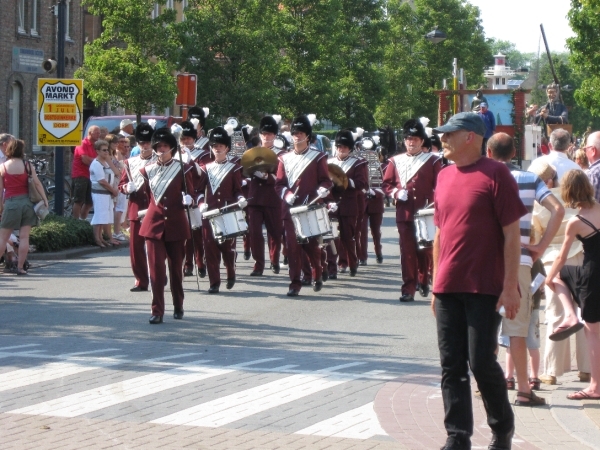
(74, 253)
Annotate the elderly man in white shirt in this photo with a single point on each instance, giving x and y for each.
(560, 140)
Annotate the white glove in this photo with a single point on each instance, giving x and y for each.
(372, 192)
(322, 192)
(187, 199)
(351, 182)
(131, 187)
(290, 198)
(203, 207)
(332, 207)
(242, 202)
(259, 174)
(402, 195)
(244, 182)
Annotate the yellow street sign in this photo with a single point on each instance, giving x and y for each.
(60, 111)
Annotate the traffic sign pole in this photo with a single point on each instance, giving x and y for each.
(59, 161)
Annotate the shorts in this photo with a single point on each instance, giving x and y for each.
(103, 209)
(519, 326)
(82, 190)
(533, 335)
(18, 212)
(121, 203)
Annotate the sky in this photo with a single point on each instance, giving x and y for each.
(518, 21)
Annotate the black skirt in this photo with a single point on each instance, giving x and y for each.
(584, 284)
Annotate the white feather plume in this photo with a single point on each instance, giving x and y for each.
(229, 129)
(206, 111)
(195, 122)
(277, 117)
(312, 118)
(424, 121)
(152, 123)
(249, 128)
(175, 130)
(376, 140)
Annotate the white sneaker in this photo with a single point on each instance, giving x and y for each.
(120, 237)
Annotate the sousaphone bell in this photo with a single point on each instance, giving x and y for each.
(259, 159)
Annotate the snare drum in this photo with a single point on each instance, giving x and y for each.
(310, 221)
(195, 218)
(335, 231)
(424, 227)
(226, 224)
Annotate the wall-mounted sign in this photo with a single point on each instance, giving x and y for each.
(27, 60)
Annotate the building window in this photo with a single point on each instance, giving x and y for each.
(170, 4)
(21, 13)
(14, 109)
(503, 80)
(68, 21)
(184, 5)
(34, 17)
(155, 11)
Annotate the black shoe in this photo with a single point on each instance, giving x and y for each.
(285, 261)
(155, 320)
(188, 272)
(424, 290)
(293, 293)
(501, 441)
(362, 262)
(318, 285)
(407, 298)
(379, 259)
(230, 283)
(178, 315)
(275, 268)
(202, 272)
(138, 289)
(247, 255)
(353, 272)
(333, 277)
(214, 289)
(325, 275)
(306, 282)
(255, 273)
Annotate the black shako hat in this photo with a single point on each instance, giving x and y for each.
(144, 132)
(188, 130)
(413, 127)
(164, 135)
(268, 125)
(344, 137)
(195, 112)
(435, 140)
(219, 135)
(301, 124)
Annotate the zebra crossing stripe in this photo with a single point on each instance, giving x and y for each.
(358, 423)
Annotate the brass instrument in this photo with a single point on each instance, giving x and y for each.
(371, 155)
(338, 176)
(260, 159)
(238, 143)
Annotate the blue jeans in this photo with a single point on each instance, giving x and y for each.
(467, 326)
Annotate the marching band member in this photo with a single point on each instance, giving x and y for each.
(223, 186)
(410, 179)
(344, 203)
(131, 184)
(166, 225)
(264, 206)
(302, 176)
(373, 218)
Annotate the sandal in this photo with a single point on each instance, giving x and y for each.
(562, 333)
(582, 395)
(535, 383)
(533, 400)
(510, 384)
(22, 272)
(100, 244)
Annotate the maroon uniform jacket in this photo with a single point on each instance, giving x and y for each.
(419, 173)
(166, 218)
(139, 200)
(302, 174)
(221, 184)
(262, 192)
(347, 199)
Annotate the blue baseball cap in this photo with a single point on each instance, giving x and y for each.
(463, 121)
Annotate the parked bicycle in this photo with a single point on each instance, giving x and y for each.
(49, 184)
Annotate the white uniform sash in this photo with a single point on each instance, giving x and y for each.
(217, 172)
(160, 177)
(345, 164)
(408, 166)
(135, 164)
(295, 164)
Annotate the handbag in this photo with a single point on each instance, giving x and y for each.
(34, 195)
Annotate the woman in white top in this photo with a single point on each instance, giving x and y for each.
(101, 176)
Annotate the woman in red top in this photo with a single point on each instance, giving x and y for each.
(15, 208)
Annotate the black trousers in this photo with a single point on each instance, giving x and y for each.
(467, 327)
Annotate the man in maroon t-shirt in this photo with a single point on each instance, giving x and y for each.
(476, 255)
(80, 173)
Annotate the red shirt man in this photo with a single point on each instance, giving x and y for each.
(80, 173)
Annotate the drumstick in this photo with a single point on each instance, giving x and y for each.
(233, 204)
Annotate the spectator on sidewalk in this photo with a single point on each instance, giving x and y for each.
(477, 234)
(531, 188)
(120, 202)
(80, 173)
(101, 175)
(5, 139)
(560, 141)
(490, 124)
(592, 151)
(126, 127)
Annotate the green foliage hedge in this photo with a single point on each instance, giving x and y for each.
(59, 233)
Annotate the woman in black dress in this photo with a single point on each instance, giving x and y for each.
(580, 284)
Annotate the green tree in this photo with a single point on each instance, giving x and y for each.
(584, 18)
(131, 64)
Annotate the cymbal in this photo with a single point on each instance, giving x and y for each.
(338, 176)
(260, 159)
